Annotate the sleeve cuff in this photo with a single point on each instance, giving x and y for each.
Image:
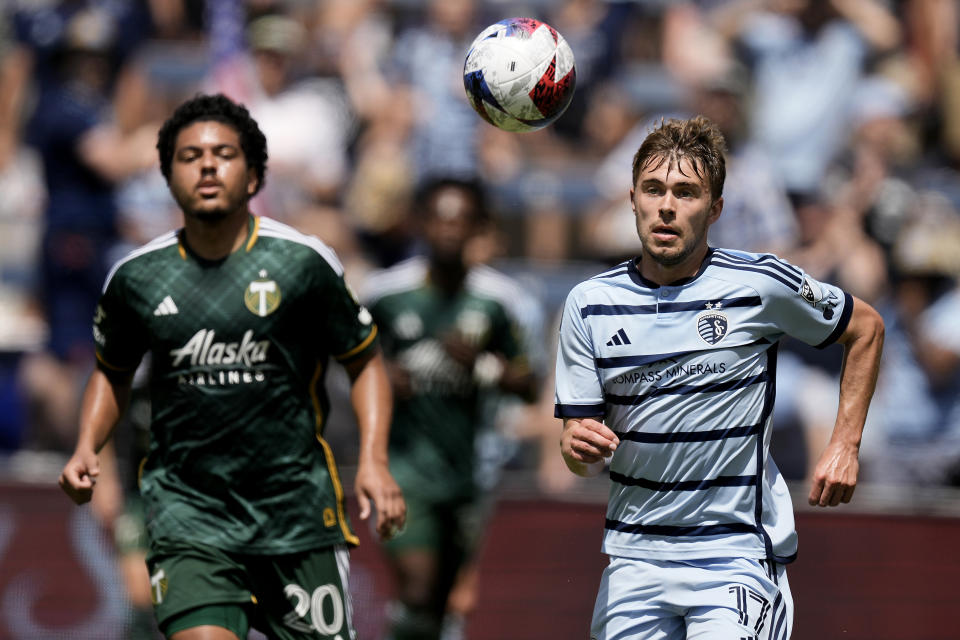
(579, 410)
(841, 323)
(364, 345)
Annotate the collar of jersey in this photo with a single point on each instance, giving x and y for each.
(253, 228)
(633, 269)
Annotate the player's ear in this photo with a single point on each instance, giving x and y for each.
(715, 209)
(633, 203)
(252, 181)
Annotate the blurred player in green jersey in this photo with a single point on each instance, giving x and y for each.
(451, 336)
(240, 314)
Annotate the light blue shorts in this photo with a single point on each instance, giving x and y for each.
(708, 599)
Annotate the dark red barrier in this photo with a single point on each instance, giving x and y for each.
(859, 576)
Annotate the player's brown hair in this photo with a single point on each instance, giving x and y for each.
(697, 139)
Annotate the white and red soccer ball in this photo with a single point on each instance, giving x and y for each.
(519, 74)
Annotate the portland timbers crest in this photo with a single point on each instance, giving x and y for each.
(712, 325)
(262, 296)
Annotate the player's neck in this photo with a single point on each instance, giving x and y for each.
(216, 239)
(447, 277)
(668, 274)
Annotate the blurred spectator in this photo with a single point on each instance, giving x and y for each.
(427, 67)
(309, 122)
(84, 154)
(807, 58)
(757, 214)
(917, 413)
(874, 176)
(594, 29)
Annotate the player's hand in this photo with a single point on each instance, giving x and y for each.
(460, 349)
(79, 476)
(585, 442)
(835, 476)
(376, 489)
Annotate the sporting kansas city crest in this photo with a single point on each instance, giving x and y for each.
(262, 296)
(810, 290)
(712, 324)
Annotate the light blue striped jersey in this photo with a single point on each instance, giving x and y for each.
(685, 375)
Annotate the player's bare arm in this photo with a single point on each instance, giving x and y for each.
(835, 476)
(372, 402)
(104, 401)
(585, 443)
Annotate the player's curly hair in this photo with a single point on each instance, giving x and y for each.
(697, 139)
(220, 108)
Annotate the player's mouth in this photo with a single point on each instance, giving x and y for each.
(208, 188)
(664, 233)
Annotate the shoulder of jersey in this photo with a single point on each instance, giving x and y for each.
(403, 276)
(270, 228)
(759, 270)
(489, 283)
(616, 275)
(159, 243)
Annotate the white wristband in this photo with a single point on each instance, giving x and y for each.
(487, 369)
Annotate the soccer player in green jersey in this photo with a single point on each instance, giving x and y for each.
(240, 314)
(451, 336)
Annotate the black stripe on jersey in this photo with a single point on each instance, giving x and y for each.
(737, 267)
(641, 361)
(684, 485)
(770, 261)
(669, 530)
(614, 271)
(579, 410)
(769, 394)
(617, 310)
(666, 307)
(635, 361)
(701, 305)
(689, 436)
(792, 283)
(611, 274)
(688, 389)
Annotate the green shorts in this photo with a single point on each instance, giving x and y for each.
(452, 529)
(288, 597)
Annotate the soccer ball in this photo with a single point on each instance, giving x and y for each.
(519, 74)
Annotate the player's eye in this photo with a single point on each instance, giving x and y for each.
(227, 152)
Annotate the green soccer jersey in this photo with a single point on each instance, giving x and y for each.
(432, 435)
(239, 349)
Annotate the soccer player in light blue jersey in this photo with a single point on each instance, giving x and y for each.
(666, 370)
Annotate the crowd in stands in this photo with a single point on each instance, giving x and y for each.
(842, 119)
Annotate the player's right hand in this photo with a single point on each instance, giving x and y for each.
(585, 442)
(79, 476)
(377, 490)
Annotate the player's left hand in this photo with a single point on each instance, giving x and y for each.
(835, 476)
(377, 490)
(461, 350)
